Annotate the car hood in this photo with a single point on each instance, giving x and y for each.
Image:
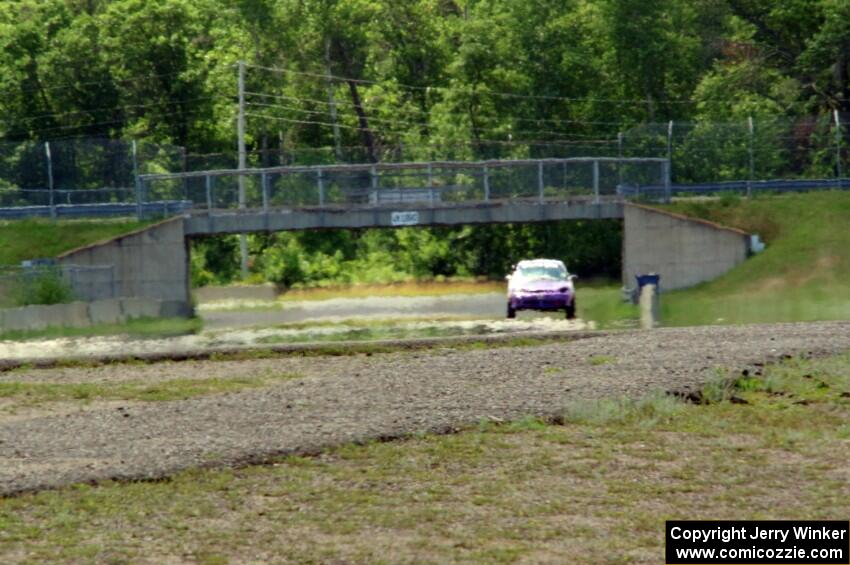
(541, 285)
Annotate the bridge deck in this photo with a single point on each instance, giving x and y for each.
(400, 214)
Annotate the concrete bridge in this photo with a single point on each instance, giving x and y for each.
(201, 223)
(154, 262)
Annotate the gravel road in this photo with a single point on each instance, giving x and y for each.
(344, 399)
(491, 304)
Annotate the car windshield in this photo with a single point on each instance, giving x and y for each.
(536, 272)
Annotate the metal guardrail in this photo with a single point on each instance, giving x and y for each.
(743, 186)
(429, 183)
(112, 209)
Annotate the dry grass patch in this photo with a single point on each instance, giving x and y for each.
(596, 489)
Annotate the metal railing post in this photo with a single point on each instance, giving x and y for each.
(431, 183)
(137, 180)
(595, 181)
(264, 182)
(50, 180)
(669, 170)
(540, 182)
(486, 183)
(209, 183)
(620, 157)
(665, 171)
(321, 180)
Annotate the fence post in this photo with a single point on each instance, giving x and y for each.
(50, 179)
(321, 181)
(137, 181)
(209, 183)
(620, 158)
(540, 182)
(665, 172)
(184, 162)
(752, 159)
(486, 184)
(431, 183)
(596, 181)
(838, 148)
(373, 172)
(264, 182)
(668, 177)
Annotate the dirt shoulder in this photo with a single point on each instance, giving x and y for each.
(343, 399)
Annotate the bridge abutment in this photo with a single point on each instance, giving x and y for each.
(152, 262)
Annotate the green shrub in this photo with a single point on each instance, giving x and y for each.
(47, 287)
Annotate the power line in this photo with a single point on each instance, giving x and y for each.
(113, 108)
(328, 124)
(112, 122)
(427, 125)
(69, 86)
(434, 111)
(485, 92)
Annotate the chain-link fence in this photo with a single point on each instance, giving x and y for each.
(49, 283)
(90, 177)
(80, 176)
(766, 148)
(393, 183)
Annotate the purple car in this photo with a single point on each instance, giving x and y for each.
(541, 284)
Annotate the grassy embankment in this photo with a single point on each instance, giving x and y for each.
(36, 238)
(596, 489)
(802, 275)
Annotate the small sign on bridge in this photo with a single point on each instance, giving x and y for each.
(409, 218)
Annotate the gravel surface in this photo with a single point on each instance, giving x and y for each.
(344, 399)
(224, 315)
(97, 347)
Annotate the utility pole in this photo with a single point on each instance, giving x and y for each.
(240, 132)
(838, 148)
(332, 102)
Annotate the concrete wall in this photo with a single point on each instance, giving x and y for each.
(152, 262)
(684, 251)
(85, 314)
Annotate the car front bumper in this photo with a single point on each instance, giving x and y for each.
(541, 301)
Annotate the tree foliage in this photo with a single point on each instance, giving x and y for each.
(359, 80)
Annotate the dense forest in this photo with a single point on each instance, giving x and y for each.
(417, 73)
(370, 80)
